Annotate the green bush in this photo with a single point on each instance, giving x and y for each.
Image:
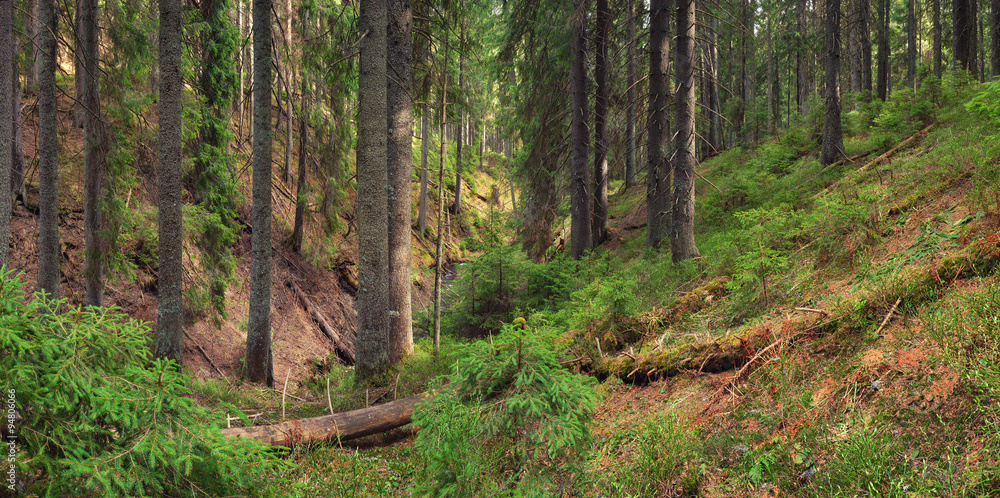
(99, 416)
(510, 420)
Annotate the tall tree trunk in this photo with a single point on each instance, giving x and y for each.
(456, 206)
(372, 201)
(936, 28)
(579, 183)
(17, 148)
(854, 45)
(6, 122)
(94, 153)
(300, 195)
(911, 44)
(400, 171)
(994, 38)
(866, 47)
(259, 363)
(31, 32)
(882, 85)
(630, 170)
(48, 148)
(832, 147)
(170, 284)
(802, 55)
(658, 134)
(79, 71)
(963, 35)
(424, 137)
(439, 245)
(599, 221)
(682, 246)
(288, 91)
(715, 141)
(773, 100)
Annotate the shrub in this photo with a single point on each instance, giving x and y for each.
(100, 417)
(509, 419)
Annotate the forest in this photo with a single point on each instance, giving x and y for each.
(500, 248)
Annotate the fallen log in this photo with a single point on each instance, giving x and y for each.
(342, 345)
(882, 157)
(339, 426)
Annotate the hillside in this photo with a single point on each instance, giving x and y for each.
(837, 336)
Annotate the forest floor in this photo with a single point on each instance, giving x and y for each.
(858, 364)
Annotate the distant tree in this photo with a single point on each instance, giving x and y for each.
(658, 126)
(300, 194)
(95, 151)
(79, 71)
(579, 183)
(715, 138)
(832, 147)
(424, 139)
(170, 271)
(682, 245)
(400, 171)
(31, 44)
(48, 148)
(6, 122)
(994, 38)
(372, 202)
(802, 59)
(259, 364)
(439, 244)
(599, 221)
(456, 206)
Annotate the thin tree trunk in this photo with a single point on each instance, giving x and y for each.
(802, 66)
(17, 148)
(630, 170)
(658, 134)
(882, 85)
(48, 145)
(832, 147)
(963, 35)
(300, 195)
(424, 137)
(372, 199)
(911, 43)
(31, 28)
(854, 45)
(994, 38)
(94, 152)
(79, 71)
(599, 221)
(456, 206)
(6, 122)
(259, 365)
(580, 200)
(936, 29)
(682, 244)
(866, 47)
(714, 106)
(400, 171)
(439, 245)
(170, 284)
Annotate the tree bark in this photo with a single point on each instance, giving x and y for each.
(94, 155)
(580, 200)
(832, 147)
(79, 71)
(424, 137)
(658, 134)
(337, 427)
(994, 38)
(963, 33)
(456, 206)
(6, 122)
(911, 44)
(288, 90)
(17, 148)
(882, 84)
(854, 45)
(439, 245)
(400, 171)
(259, 364)
(599, 220)
(715, 139)
(802, 65)
(170, 273)
(48, 145)
(936, 28)
(31, 32)
(630, 169)
(682, 244)
(372, 199)
(300, 195)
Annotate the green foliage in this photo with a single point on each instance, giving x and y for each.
(101, 417)
(986, 103)
(214, 238)
(866, 464)
(763, 248)
(510, 420)
(667, 454)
